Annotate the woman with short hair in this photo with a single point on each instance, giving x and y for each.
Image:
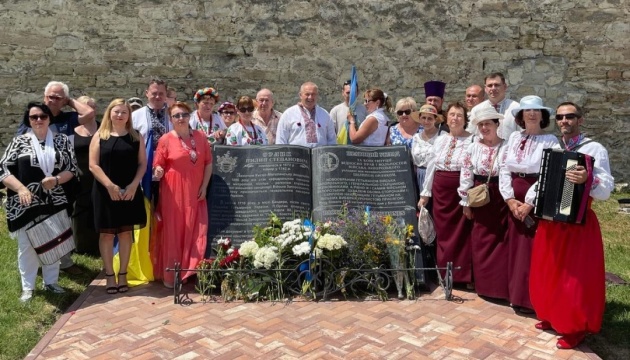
(244, 132)
(442, 180)
(183, 164)
(227, 111)
(32, 169)
(85, 236)
(205, 119)
(403, 132)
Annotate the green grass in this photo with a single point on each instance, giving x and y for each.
(21, 326)
(613, 342)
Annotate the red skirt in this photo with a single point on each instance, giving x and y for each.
(489, 246)
(568, 280)
(451, 226)
(520, 241)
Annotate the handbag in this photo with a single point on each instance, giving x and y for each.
(479, 195)
(51, 237)
(426, 228)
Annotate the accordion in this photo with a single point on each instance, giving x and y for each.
(558, 199)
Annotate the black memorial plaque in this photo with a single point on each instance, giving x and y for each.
(250, 182)
(381, 177)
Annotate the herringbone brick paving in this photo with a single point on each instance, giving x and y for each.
(145, 324)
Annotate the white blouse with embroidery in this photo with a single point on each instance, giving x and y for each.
(421, 148)
(523, 155)
(447, 154)
(477, 161)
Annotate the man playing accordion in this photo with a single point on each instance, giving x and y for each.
(567, 278)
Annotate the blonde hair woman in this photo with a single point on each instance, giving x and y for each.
(118, 162)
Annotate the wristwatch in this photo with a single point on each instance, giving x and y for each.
(57, 180)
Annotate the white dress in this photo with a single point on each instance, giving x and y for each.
(420, 149)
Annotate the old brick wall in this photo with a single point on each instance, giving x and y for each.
(560, 50)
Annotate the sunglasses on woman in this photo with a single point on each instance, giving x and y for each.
(246, 109)
(183, 115)
(403, 112)
(42, 117)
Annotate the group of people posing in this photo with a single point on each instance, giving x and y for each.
(161, 154)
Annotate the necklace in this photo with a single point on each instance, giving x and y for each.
(255, 137)
(191, 152)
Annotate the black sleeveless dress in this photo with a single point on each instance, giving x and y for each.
(119, 160)
(85, 236)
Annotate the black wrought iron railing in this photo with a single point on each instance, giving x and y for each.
(313, 279)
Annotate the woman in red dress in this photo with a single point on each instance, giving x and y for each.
(183, 163)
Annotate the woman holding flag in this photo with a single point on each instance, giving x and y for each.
(373, 130)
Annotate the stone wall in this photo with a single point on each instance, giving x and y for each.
(561, 50)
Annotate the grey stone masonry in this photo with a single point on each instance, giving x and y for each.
(577, 50)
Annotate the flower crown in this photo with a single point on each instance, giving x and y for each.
(206, 91)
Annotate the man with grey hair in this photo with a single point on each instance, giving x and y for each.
(306, 123)
(56, 97)
(265, 115)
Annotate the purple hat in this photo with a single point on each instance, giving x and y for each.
(226, 105)
(434, 88)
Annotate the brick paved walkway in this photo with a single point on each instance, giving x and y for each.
(145, 324)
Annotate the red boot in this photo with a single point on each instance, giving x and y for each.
(570, 341)
(543, 325)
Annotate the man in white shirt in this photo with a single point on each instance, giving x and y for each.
(339, 114)
(306, 123)
(266, 116)
(496, 90)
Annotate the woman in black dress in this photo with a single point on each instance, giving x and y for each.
(118, 162)
(85, 235)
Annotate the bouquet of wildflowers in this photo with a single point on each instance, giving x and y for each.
(398, 236)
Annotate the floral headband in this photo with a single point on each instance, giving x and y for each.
(206, 91)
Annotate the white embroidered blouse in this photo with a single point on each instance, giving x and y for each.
(478, 160)
(523, 154)
(447, 154)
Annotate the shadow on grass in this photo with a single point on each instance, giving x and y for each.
(613, 342)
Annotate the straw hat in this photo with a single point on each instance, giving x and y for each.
(427, 109)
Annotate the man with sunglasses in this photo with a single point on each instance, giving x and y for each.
(56, 97)
(567, 278)
(265, 115)
(306, 123)
(496, 90)
(339, 113)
